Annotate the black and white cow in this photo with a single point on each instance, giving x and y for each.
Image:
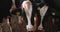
(43, 11)
(54, 8)
(27, 7)
(48, 15)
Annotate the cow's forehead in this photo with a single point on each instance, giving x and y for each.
(27, 2)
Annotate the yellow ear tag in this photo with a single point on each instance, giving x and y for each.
(17, 13)
(38, 8)
(53, 13)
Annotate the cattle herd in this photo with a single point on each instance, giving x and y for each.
(29, 15)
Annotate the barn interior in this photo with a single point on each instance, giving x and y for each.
(14, 19)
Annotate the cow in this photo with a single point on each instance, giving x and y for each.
(48, 16)
(27, 7)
